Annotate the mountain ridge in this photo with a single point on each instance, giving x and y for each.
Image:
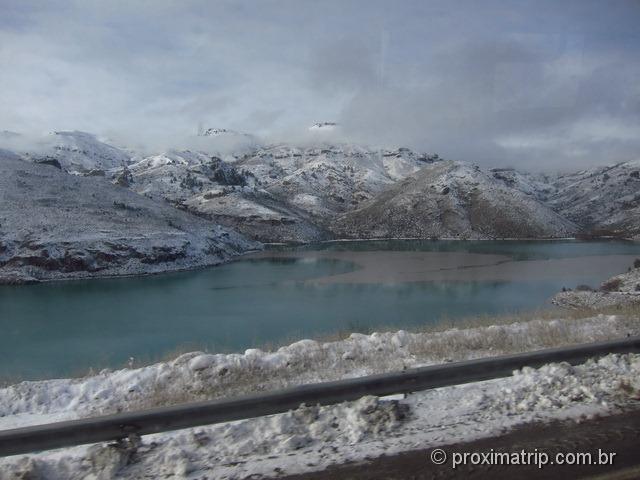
(297, 194)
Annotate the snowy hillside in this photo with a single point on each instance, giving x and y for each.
(279, 193)
(80, 152)
(537, 186)
(55, 225)
(453, 199)
(329, 179)
(221, 191)
(177, 175)
(603, 198)
(323, 190)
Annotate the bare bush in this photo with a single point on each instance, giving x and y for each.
(612, 285)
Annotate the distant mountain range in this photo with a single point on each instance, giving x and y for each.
(279, 193)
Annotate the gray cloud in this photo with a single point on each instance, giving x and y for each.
(532, 84)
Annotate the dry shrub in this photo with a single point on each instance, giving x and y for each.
(612, 285)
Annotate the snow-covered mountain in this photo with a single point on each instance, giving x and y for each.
(177, 175)
(80, 152)
(219, 190)
(329, 179)
(323, 127)
(279, 193)
(454, 200)
(325, 189)
(602, 200)
(55, 225)
(224, 132)
(75, 152)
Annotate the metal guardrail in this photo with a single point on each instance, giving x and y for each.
(118, 426)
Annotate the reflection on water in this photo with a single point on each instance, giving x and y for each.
(64, 328)
(518, 250)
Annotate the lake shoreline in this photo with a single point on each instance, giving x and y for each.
(456, 239)
(25, 280)
(259, 300)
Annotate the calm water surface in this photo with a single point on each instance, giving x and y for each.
(64, 328)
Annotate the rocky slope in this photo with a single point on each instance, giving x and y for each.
(54, 226)
(602, 200)
(272, 194)
(453, 199)
(329, 179)
(618, 291)
(221, 191)
(537, 186)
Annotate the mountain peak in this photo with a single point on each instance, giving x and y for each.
(218, 132)
(324, 126)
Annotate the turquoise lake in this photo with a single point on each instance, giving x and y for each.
(65, 328)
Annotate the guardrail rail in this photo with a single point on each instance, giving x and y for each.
(144, 422)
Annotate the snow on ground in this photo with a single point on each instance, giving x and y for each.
(76, 152)
(199, 375)
(594, 299)
(452, 199)
(601, 198)
(60, 226)
(618, 291)
(330, 178)
(311, 437)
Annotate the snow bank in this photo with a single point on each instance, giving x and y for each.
(199, 375)
(314, 437)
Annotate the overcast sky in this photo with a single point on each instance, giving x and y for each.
(533, 84)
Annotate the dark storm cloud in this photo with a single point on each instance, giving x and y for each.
(533, 84)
